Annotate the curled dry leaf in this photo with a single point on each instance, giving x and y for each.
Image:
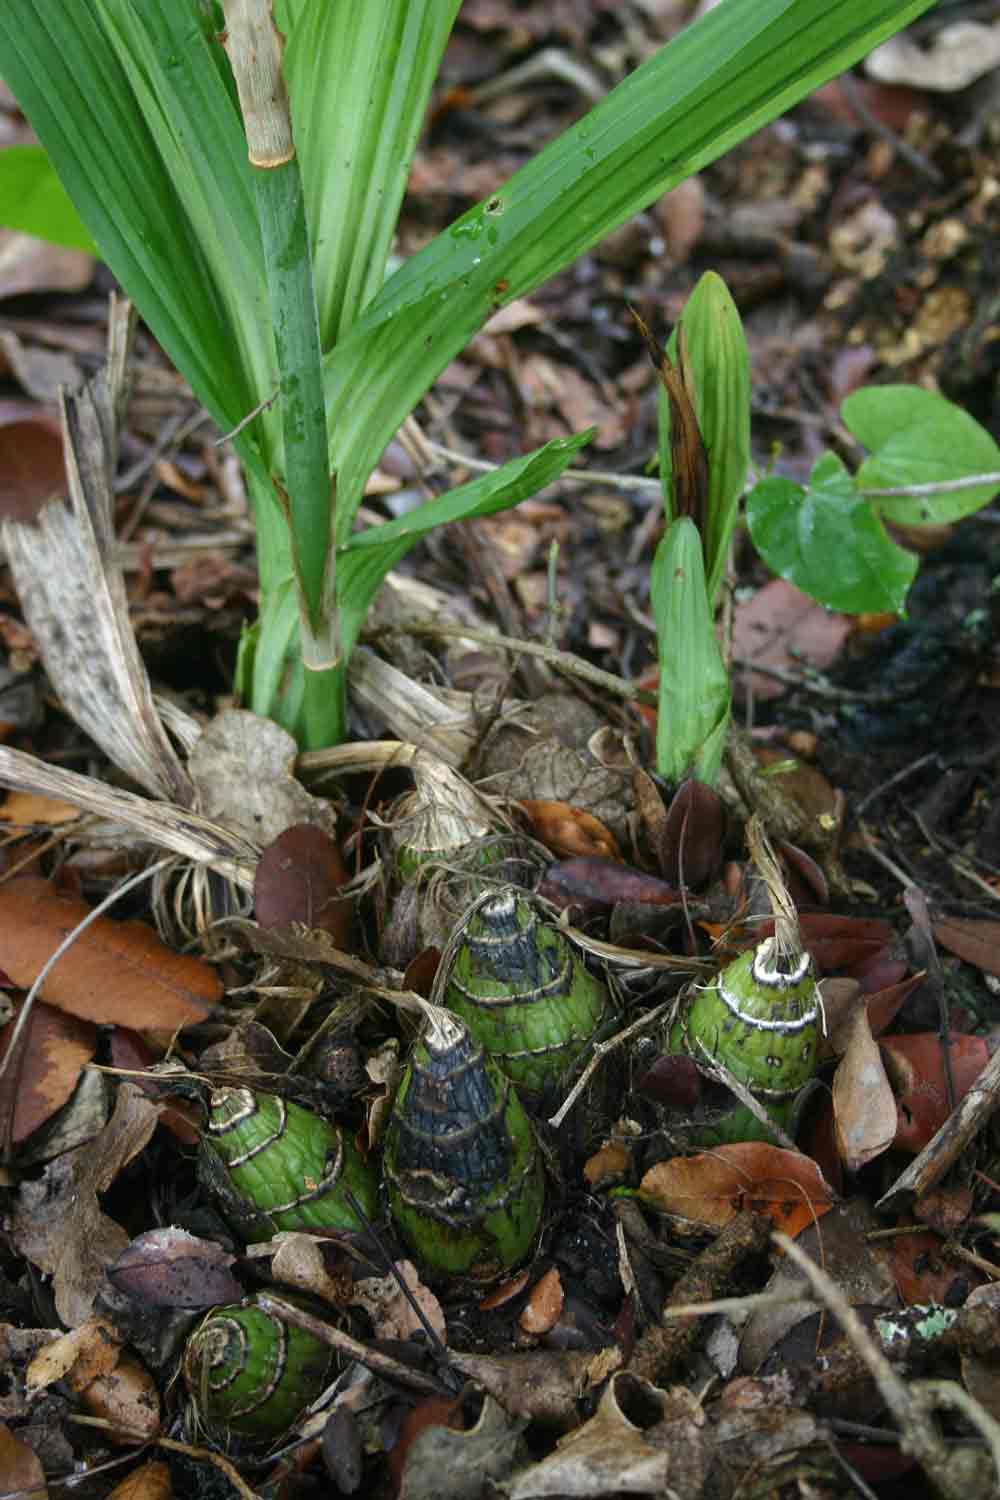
(714, 1187)
(436, 1457)
(864, 1108)
(390, 1310)
(31, 461)
(568, 830)
(52, 1050)
(300, 1261)
(113, 972)
(56, 1221)
(127, 1399)
(978, 942)
(298, 879)
(171, 1268)
(544, 1305)
(78, 1357)
(610, 1453)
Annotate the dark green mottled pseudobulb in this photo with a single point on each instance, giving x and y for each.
(275, 1165)
(462, 1168)
(521, 989)
(250, 1375)
(761, 1020)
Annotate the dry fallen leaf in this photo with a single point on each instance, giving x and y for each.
(714, 1187)
(151, 1481)
(52, 1049)
(978, 942)
(568, 831)
(56, 1221)
(21, 1472)
(113, 972)
(128, 1399)
(544, 1305)
(298, 879)
(915, 1063)
(78, 1357)
(864, 1107)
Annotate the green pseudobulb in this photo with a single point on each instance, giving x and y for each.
(462, 1167)
(522, 991)
(761, 1021)
(283, 1167)
(250, 1375)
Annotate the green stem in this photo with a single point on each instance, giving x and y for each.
(303, 491)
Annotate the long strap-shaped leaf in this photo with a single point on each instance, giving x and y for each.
(716, 82)
(131, 104)
(359, 76)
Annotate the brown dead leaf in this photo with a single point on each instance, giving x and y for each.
(568, 831)
(298, 879)
(29, 810)
(31, 463)
(78, 1357)
(915, 1063)
(57, 1222)
(864, 1108)
(21, 1472)
(782, 628)
(52, 1049)
(128, 1399)
(151, 1481)
(978, 943)
(390, 1311)
(714, 1187)
(28, 264)
(544, 1305)
(113, 972)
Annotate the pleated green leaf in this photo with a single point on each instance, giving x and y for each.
(694, 697)
(719, 80)
(359, 77)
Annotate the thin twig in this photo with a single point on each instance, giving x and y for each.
(380, 1364)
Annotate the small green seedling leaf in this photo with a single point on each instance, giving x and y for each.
(720, 365)
(917, 437)
(694, 684)
(828, 541)
(34, 201)
(365, 559)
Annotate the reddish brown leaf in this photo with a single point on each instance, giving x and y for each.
(569, 831)
(714, 1187)
(151, 1481)
(544, 1305)
(171, 1268)
(298, 879)
(690, 850)
(672, 1080)
(837, 942)
(590, 882)
(884, 1005)
(921, 1271)
(113, 971)
(21, 1472)
(31, 464)
(915, 1063)
(52, 1050)
(781, 628)
(977, 942)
